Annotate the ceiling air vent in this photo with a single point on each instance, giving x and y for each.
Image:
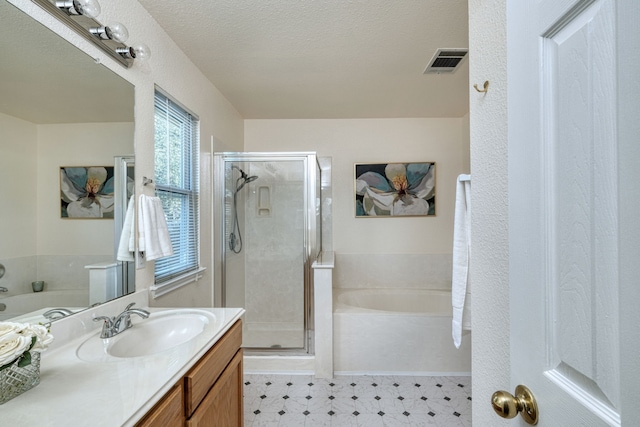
(446, 60)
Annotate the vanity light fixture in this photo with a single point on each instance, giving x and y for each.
(140, 52)
(114, 31)
(79, 15)
(88, 8)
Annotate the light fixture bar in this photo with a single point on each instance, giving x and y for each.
(82, 25)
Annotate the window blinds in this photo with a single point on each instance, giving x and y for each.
(176, 177)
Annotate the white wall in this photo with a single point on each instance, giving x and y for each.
(466, 154)
(18, 145)
(38, 244)
(66, 145)
(220, 124)
(489, 220)
(444, 141)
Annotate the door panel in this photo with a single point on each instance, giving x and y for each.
(579, 56)
(564, 198)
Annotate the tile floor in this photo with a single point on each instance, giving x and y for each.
(358, 400)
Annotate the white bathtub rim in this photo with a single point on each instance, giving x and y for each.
(342, 308)
(28, 305)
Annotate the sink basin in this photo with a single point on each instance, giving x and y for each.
(162, 331)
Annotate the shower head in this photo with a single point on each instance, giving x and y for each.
(243, 180)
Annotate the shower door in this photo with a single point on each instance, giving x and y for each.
(269, 237)
(124, 178)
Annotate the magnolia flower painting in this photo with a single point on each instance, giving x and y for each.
(86, 192)
(395, 189)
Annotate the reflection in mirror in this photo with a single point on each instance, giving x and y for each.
(59, 109)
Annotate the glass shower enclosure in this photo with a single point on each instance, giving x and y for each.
(269, 221)
(124, 179)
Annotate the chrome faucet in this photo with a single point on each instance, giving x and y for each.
(51, 314)
(112, 326)
(3, 289)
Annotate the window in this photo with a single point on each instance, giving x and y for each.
(176, 178)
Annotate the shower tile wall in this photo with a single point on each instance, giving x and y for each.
(416, 271)
(19, 273)
(67, 271)
(274, 274)
(58, 271)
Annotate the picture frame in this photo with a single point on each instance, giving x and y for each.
(86, 192)
(395, 189)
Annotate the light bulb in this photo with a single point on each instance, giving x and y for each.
(114, 31)
(140, 52)
(88, 8)
(117, 32)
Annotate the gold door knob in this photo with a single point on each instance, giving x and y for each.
(507, 405)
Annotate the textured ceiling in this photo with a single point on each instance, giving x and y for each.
(276, 59)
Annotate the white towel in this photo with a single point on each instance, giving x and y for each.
(127, 245)
(460, 283)
(153, 234)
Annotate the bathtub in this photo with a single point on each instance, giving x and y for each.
(29, 307)
(397, 332)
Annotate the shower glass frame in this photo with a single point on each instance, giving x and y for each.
(312, 240)
(124, 170)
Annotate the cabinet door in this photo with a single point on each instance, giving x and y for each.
(208, 370)
(169, 412)
(222, 406)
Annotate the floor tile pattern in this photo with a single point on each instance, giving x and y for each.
(358, 400)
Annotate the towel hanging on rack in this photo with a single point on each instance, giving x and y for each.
(127, 245)
(460, 281)
(153, 233)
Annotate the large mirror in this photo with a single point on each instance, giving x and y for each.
(66, 172)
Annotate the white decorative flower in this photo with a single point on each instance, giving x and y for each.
(18, 339)
(12, 346)
(43, 337)
(11, 327)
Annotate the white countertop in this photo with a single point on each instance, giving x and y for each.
(73, 392)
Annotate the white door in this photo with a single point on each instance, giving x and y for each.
(572, 139)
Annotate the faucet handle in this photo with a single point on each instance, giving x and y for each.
(106, 319)
(107, 326)
(127, 308)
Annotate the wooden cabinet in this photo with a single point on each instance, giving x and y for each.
(222, 406)
(168, 412)
(210, 394)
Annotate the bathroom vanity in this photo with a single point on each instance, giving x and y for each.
(194, 383)
(210, 393)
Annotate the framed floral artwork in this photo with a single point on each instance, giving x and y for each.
(395, 189)
(86, 192)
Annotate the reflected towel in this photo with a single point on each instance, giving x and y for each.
(460, 283)
(153, 233)
(127, 245)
